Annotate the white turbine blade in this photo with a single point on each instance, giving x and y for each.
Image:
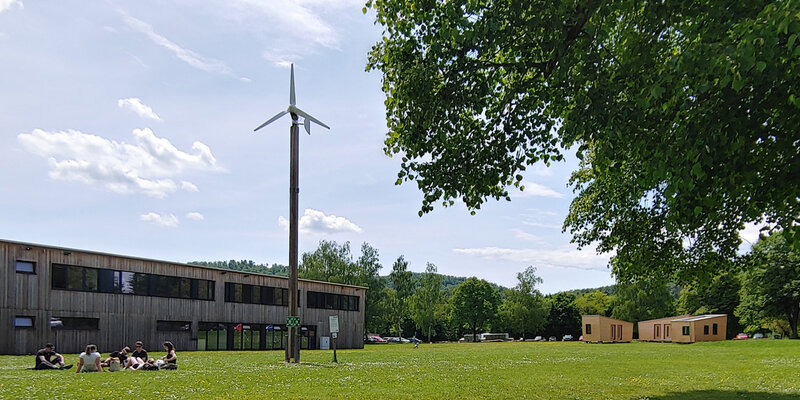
(307, 125)
(291, 87)
(305, 115)
(271, 120)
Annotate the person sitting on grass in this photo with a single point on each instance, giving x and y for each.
(138, 357)
(171, 359)
(89, 360)
(121, 356)
(47, 358)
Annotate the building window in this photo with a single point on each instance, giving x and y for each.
(23, 322)
(174, 326)
(588, 329)
(75, 323)
(331, 301)
(685, 330)
(658, 331)
(714, 329)
(705, 329)
(254, 294)
(102, 280)
(25, 267)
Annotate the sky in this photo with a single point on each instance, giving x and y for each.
(127, 128)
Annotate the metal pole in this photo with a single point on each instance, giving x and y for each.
(292, 349)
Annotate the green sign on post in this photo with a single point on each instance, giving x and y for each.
(292, 321)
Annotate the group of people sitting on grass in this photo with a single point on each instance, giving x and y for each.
(90, 360)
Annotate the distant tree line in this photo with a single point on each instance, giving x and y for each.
(760, 292)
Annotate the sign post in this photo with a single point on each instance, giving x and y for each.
(333, 322)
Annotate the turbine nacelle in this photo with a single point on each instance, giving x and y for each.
(294, 111)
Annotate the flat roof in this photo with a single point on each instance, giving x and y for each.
(699, 317)
(173, 263)
(668, 318)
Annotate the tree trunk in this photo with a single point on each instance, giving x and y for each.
(792, 317)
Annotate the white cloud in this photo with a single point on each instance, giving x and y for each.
(144, 167)
(541, 225)
(564, 257)
(195, 216)
(185, 55)
(533, 189)
(6, 4)
(189, 186)
(134, 104)
(315, 221)
(167, 220)
(522, 235)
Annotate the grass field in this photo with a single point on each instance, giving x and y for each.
(767, 369)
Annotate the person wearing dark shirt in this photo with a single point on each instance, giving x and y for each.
(47, 358)
(171, 359)
(138, 357)
(121, 355)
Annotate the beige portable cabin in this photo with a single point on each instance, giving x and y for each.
(658, 330)
(700, 328)
(684, 328)
(597, 328)
(72, 297)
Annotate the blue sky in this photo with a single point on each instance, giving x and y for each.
(127, 127)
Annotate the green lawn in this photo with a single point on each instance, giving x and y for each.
(767, 369)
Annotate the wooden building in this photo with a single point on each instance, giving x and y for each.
(700, 328)
(598, 328)
(657, 330)
(73, 297)
(684, 328)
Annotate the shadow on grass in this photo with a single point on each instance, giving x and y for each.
(725, 395)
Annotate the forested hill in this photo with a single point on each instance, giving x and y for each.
(448, 282)
(246, 266)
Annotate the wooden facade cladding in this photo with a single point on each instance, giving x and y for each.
(124, 318)
(599, 328)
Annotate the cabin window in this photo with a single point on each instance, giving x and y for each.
(714, 329)
(685, 330)
(705, 329)
(253, 294)
(25, 267)
(658, 331)
(588, 329)
(173, 326)
(75, 323)
(23, 322)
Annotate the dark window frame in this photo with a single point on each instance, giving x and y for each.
(75, 323)
(715, 329)
(32, 264)
(31, 326)
(705, 329)
(588, 329)
(112, 281)
(173, 326)
(685, 330)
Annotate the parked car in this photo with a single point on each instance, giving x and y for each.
(741, 336)
(414, 340)
(552, 339)
(566, 338)
(538, 339)
(374, 339)
(758, 336)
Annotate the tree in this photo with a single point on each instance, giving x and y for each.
(563, 318)
(685, 115)
(524, 308)
(369, 267)
(427, 302)
(720, 295)
(771, 283)
(594, 303)
(403, 287)
(474, 302)
(642, 300)
(332, 262)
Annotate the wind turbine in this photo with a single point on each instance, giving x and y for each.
(294, 111)
(293, 317)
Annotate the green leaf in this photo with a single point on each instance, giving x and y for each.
(760, 66)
